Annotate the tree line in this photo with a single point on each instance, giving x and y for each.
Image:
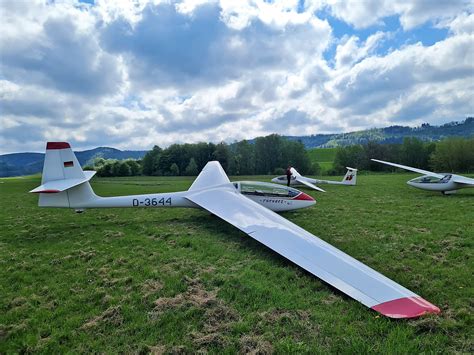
(265, 155)
(113, 167)
(270, 155)
(449, 155)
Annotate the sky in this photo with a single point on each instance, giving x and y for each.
(132, 74)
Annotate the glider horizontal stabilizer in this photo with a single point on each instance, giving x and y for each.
(55, 186)
(313, 254)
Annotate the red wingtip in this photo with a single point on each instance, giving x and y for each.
(57, 145)
(50, 191)
(407, 307)
(303, 196)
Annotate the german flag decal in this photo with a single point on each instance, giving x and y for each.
(68, 164)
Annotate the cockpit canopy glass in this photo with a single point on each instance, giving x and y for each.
(267, 189)
(431, 179)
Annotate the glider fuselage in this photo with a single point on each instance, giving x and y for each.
(297, 179)
(282, 179)
(430, 183)
(274, 197)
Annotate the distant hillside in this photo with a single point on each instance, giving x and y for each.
(17, 164)
(392, 134)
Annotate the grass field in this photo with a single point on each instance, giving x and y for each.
(181, 280)
(323, 156)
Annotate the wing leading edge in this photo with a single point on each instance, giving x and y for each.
(313, 254)
(416, 170)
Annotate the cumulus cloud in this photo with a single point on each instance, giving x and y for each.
(56, 50)
(350, 51)
(362, 14)
(167, 48)
(132, 74)
(462, 24)
(377, 80)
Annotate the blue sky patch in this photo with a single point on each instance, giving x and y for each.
(396, 37)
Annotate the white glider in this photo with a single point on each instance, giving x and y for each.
(297, 179)
(247, 206)
(445, 183)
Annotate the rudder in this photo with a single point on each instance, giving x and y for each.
(60, 163)
(351, 176)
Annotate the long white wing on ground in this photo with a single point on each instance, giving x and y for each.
(211, 175)
(310, 185)
(419, 171)
(313, 254)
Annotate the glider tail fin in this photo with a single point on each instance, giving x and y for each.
(351, 176)
(60, 163)
(63, 183)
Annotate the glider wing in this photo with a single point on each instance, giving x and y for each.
(301, 181)
(463, 180)
(313, 254)
(294, 172)
(419, 171)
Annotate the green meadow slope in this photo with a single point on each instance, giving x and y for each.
(182, 280)
(323, 156)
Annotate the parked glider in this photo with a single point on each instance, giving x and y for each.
(247, 206)
(447, 184)
(297, 179)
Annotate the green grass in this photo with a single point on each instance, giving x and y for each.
(139, 280)
(323, 156)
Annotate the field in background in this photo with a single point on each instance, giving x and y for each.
(138, 280)
(323, 156)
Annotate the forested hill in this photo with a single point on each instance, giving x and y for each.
(31, 163)
(392, 134)
(16, 164)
